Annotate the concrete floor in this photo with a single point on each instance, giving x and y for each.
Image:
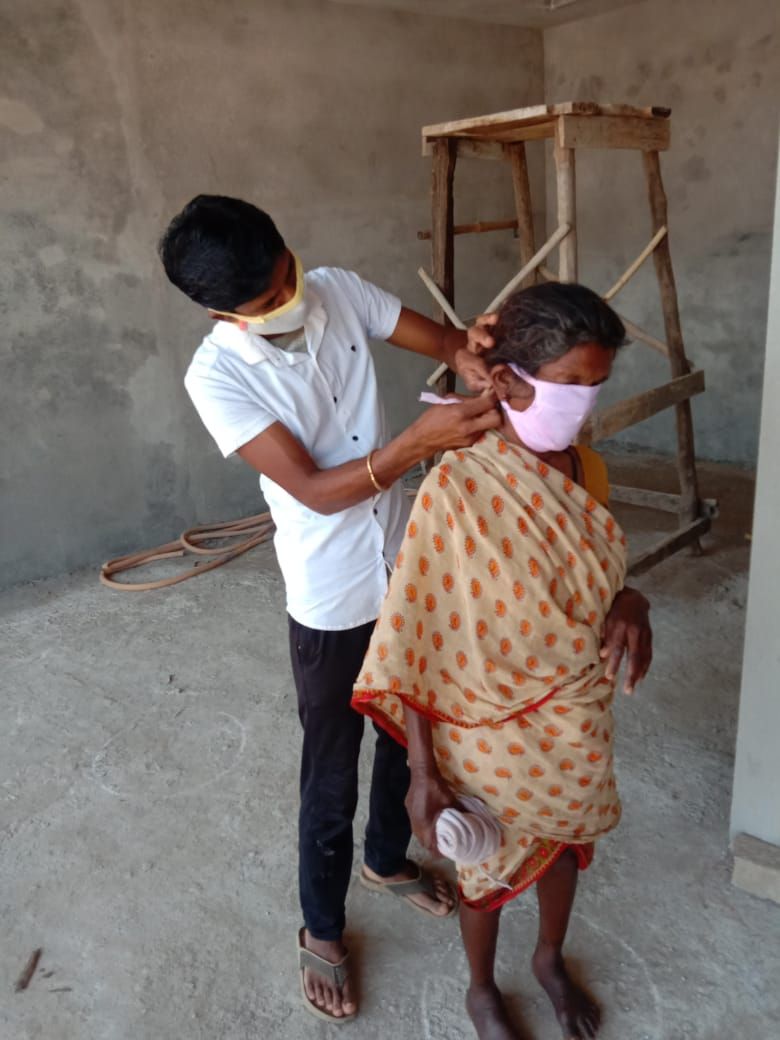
(148, 760)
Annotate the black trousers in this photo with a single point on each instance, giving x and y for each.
(325, 666)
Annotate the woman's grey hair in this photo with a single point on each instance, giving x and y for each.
(543, 322)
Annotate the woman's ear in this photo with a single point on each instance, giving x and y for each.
(507, 384)
(502, 378)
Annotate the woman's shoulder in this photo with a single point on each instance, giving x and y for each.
(595, 477)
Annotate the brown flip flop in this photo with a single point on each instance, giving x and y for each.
(335, 974)
(403, 889)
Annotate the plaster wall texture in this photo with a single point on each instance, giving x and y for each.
(112, 116)
(717, 65)
(756, 806)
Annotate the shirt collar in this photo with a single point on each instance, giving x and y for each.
(253, 349)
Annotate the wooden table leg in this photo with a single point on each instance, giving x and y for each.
(525, 217)
(686, 455)
(442, 238)
(567, 212)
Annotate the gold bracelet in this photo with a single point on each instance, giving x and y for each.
(371, 474)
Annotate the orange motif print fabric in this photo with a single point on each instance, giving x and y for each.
(491, 628)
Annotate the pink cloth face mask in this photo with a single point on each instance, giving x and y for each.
(555, 416)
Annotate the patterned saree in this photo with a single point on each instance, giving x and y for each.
(491, 629)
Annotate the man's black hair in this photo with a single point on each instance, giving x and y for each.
(220, 251)
(543, 322)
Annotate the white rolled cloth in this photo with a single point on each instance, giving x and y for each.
(428, 398)
(470, 836)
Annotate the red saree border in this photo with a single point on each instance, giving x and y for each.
(362, 698)
(495, 900)
(362, 702)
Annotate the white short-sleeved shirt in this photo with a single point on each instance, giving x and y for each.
(335, 567)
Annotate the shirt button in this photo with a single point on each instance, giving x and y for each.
(353, 347)
(354, 436)
(335, 400)
(376, 512)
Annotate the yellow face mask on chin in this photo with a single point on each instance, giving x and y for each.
(287, 318)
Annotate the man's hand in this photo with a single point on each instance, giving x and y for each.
(468, 361)
(428, 795)
(627, 630)
(472, 370)
(453, 347)
(454, 425)
(479, 336)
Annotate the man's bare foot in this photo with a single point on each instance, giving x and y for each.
(439, 906)
(577, 1014)
(327, 997)
(485, 1007)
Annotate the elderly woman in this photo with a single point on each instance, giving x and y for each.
(505, 623)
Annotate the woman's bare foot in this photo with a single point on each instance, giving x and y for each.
(487, 1012)
(327, 996)
(577, 1014)
(439, 906)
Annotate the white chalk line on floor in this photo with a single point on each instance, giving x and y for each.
(182, 792)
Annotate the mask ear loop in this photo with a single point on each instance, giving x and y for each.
(292, 302)
(522, 375)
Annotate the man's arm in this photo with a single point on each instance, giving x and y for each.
(458, 349)
(278, 455)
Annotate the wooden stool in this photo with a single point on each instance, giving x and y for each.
(573, 125)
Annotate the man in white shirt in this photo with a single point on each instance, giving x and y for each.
(286, 380)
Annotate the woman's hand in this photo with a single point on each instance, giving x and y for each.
(428, 794)
(627, 630)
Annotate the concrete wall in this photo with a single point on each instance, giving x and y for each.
(717, 64)
(112, 115)
(756, 806)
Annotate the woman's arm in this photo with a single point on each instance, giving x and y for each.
(627, 630)
(428, 792)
